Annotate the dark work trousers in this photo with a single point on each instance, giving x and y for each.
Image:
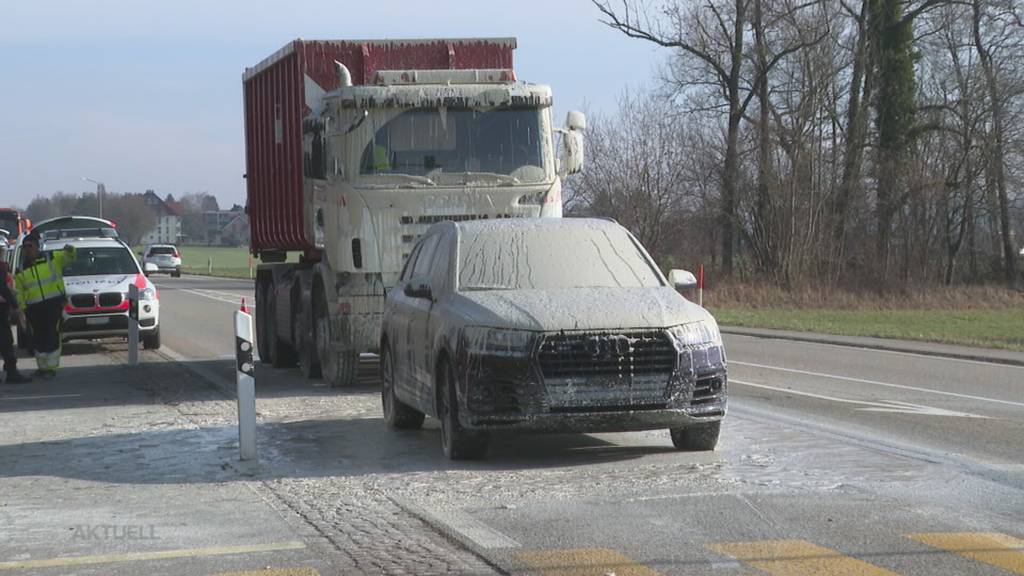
(44, 318)
(7, 340)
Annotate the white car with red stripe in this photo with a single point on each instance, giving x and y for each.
(97, 284)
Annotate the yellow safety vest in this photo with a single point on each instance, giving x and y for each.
(44, 279)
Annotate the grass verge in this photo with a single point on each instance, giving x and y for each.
(987, 317)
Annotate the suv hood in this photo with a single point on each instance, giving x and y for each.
(97, 284)
(577, 308)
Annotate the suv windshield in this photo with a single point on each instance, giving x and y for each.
(95, 261)
(551, 257)
(432, 142)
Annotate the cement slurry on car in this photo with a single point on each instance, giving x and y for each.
(546, 325)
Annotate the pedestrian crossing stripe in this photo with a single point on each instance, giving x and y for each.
(583, 562)
(997, 550)
(272, 572)
(797, 558)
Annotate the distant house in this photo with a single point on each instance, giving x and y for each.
(168, 220)
(227, 227)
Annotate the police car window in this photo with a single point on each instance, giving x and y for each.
(100, 261)
(426, 257)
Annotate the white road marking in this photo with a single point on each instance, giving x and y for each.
(877, 383)
(226, 297)
(883, 406)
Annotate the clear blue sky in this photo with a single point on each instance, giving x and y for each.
(148, 94)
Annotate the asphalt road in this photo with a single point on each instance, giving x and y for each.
(833, 460)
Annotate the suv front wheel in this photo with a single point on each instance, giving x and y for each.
(698, 437)
(457, 442)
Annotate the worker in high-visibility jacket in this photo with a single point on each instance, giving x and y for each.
(41, 296)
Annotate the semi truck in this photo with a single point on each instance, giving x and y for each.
(15, 223)
(354, 148)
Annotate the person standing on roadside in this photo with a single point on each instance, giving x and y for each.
(8, 310)
(41, 295)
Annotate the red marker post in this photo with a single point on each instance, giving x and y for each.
(700, 284)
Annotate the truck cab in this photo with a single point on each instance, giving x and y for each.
(388, 149)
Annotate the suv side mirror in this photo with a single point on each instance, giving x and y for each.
(570, 159)
(419, 287)
(682, 279)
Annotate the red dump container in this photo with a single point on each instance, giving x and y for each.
(275, 105)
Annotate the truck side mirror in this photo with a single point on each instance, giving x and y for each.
(571, 157)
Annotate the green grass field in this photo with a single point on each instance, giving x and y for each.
(987, 328)
(227, 262)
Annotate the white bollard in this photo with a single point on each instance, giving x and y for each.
(209, 266)
(246, 383)
(133, 325)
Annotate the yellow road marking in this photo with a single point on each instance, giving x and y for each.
(997, 550)
(272, 572)
(142, 556)
(797, 558)
(584, 562)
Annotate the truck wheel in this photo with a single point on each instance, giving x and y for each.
(457, 442)
(697, 438)
(282, 355)
(340, 369)
(151, 341)
(262, 315)
(305, 341)
(397, 414)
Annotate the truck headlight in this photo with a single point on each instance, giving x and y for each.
(697, 333)
(498, 342)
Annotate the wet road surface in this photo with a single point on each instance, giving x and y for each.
(833, 461)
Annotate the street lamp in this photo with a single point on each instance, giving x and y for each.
(100, 189)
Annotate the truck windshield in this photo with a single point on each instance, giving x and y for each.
(96, 261)
(502, 257)
(9, 222)
(501, 145)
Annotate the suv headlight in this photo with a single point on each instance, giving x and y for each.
(147, 293)
(697, 333)
(498, 342)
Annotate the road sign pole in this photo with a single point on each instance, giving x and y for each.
(245, 381)
(133, 325)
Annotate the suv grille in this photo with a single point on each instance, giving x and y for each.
(110, 299)
(607, 370)
(83, 300)
(623, 354)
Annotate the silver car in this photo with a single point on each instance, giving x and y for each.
(547, 325)
(165, 257)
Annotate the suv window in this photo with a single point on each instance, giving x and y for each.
(426, 257)
(407, 268)
(168, 250)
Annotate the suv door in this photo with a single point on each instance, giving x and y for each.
(397, 321)
(420, 346)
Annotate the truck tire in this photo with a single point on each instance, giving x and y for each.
(262, 315)
(281, 353)
(457, 442)
(305, 341)
(697, 438)
(339, 368)
(397, 414)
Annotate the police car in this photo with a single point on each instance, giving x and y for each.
(97, 284)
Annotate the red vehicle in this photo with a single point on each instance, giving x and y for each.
(14, 223)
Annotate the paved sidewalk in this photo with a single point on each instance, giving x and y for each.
(909, 346)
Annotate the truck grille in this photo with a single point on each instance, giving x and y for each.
(83, 300)
(616, 370)
(110, 299)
